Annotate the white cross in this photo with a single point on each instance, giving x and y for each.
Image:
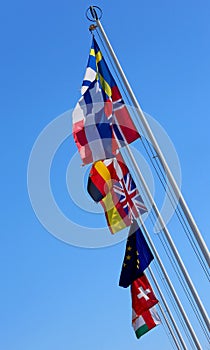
(143, 293)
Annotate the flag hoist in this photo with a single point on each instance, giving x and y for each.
(102, 126)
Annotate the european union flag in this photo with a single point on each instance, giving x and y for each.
(137, 258)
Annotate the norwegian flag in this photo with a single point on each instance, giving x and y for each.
(101, 121)
(129, 196)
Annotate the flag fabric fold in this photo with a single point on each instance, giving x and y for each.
(137, 257)
(104, 174)
(142, 295)
(146, 321)
(101, 121)
(111, 183)
(101, 126)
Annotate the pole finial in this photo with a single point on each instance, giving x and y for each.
(94, 13)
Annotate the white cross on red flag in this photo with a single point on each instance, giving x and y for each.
(143, 297)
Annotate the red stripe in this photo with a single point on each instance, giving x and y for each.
(115, 94)
(126, 125)
(120, 209)
(79, 133)
(129, 199)
(86, 154)
(148, 319)
(98, 181)
(108, 108)
(81, 142)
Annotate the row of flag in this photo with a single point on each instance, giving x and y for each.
(137, 258)
(101, 126)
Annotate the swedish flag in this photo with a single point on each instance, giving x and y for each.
(101, 122)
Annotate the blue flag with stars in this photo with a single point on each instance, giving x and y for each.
(137, 258)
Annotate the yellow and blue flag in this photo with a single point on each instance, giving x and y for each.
(101, 121)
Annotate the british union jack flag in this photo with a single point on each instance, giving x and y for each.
(129, 196)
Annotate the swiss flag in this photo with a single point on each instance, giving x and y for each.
(142, 295)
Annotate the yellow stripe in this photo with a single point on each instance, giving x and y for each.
(104, 172)
(105, 86)
(92, 52)
(98, 56)
(115, 221)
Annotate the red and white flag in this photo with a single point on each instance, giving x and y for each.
(102, 123)
(143, 323)
(143, 297)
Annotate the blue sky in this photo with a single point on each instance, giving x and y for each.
(55, 295)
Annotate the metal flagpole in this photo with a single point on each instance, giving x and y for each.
(172, 289)
(169, 313)
(161, 221)
(170, 241)
(169, 326)
(153, 140)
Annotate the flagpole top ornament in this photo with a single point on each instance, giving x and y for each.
(94, 13)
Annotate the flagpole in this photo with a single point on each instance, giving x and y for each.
(169, 313)
(170, 241)
(169, 327)
(171, 287)
(161, 221)
(154, 142)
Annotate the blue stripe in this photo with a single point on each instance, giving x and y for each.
(92, 63)
(88, 102)
(118, 134)
(86, 83)
(105, 73)
(104, 129)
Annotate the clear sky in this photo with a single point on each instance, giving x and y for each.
(55, 295)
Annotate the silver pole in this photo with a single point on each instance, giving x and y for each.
(161, 221)
(169, 326)
(172, 289)
(153, 140)
(169, 313)
(170, 241)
